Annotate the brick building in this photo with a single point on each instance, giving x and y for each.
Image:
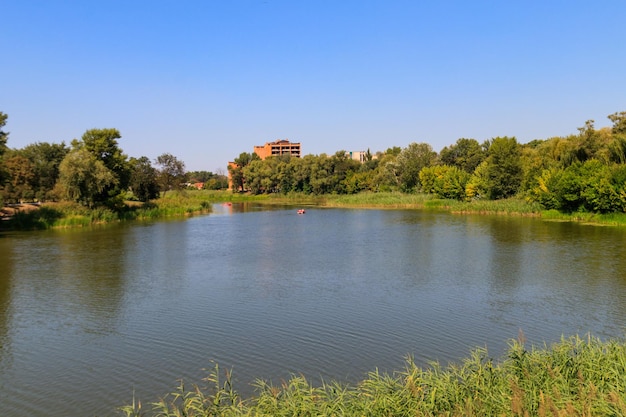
(278, 147)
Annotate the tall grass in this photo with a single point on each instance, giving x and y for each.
(609, 219)
(68, 214)
(510, 206)
(378, 200)
(575, 377)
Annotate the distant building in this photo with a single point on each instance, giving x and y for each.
(278, 147)
(357, 155)
(230, 177)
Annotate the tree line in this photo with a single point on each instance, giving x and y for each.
(91, 171)
(579, 172)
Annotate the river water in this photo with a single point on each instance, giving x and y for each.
(89, 317)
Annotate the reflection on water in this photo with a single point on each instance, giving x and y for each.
(87, 317)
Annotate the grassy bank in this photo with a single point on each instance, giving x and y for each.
(68, 215)
(575, 377)
(60, 215)
(507, 207)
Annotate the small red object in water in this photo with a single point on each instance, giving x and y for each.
(301, 211)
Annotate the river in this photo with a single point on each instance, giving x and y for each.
(89, 317)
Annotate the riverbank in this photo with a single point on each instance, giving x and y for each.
(69, 215)
(575, 377)
(66, 215)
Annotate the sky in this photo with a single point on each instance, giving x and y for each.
(206, 80)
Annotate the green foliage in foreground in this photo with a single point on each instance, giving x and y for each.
(575, 377)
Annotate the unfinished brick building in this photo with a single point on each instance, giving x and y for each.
(278, 147)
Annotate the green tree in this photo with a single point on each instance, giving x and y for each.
(466, 154)
(301, 173)
(45, 158)
(616, 143)
(199, 176)
(478, 185)
(143, 179)
(172, 172)
(103, 145)
(504, 168)
(236, 172)
(83, 177)
(257, 175)
(285, 170)
(320, 175)
(617, 148)
(218, 182)
(547, 191)
(18, 187)
(3, 147)
(591, 186)
(588, 143)
(341, 166)
(387, 175)
(600, 192)
(3, 135)
(357, 182)
(619, 122)
(411, 161)
(444, 180)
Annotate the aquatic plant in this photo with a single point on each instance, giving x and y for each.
(574, 377)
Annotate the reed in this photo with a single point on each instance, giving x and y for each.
(509, 206)
(609, 219)
(378, 200)
(574, 377)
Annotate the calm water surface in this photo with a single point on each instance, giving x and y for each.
(88, 317)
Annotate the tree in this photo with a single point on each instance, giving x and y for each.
(143, 179)
(83, 178)
(387, 175)
(45, 159)
(478, 185)
(588, 143)
(236, 172)
(3, 135)
(3, 147)
(411, 161)
(617, 149)
(504, 168)
(619, 122)
(444, 180)
(217, 182)
(20, 174)
(617, 143)
(200, 176)
(466, 154)
(103, 145)
(172, 173)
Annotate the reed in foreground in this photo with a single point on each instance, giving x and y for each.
(575, 377)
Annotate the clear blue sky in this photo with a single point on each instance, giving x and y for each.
(206, 80)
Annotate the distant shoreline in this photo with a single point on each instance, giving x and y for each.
(191, 202)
